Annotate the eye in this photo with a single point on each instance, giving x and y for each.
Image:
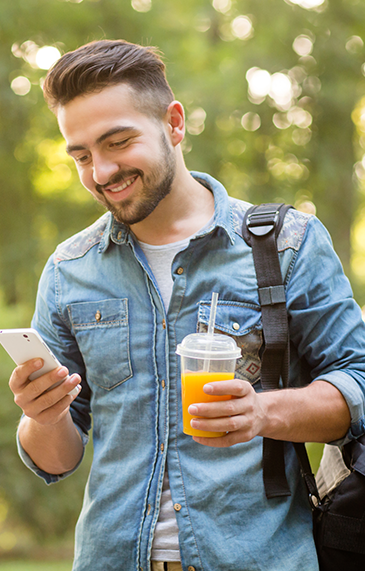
(81, 160)
(117, 144)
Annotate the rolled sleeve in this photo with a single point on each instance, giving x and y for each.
(326, 326)
(50, 478)
(354, 398)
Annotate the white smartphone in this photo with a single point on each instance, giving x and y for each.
(25, 344)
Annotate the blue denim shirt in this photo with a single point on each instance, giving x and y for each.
(100, 310)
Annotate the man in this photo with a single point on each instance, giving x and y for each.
(116, 299)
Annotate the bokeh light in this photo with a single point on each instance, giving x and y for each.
(242, 27)
(222, 6)
(141, 5)
(251, 121)
(47, 56)
(21, 85)
(303, 45)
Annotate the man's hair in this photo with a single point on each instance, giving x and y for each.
(104, 63)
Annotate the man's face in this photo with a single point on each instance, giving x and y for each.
(124, 158)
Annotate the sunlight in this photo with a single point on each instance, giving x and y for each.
(141, 5)
(47, 56)
(242, 27)
(303, 45)
(21, 85)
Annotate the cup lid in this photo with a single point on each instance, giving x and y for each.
(204, 346)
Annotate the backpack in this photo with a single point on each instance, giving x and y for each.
(339, 516)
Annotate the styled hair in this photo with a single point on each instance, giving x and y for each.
(104, 63)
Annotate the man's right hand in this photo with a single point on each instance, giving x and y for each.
(46, 407)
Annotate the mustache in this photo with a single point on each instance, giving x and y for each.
(117, 178)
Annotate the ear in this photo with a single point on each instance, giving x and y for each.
(175, 122)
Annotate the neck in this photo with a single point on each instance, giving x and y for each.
(186, 209)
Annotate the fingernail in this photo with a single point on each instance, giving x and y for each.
(38, 363)
(208, 389)
(192, 409)
(75, 391)
(63, 372)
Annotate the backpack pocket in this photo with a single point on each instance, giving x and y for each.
(242, 321)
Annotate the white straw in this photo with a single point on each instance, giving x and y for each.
(213, 311)
(211, 324)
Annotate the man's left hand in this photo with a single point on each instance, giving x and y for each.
(242, 417)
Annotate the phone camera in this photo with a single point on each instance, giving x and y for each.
(26, 336)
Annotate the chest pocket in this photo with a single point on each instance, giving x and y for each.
(102, 333)
(242, 322)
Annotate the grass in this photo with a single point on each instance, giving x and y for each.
(315, 451)
(36, 566)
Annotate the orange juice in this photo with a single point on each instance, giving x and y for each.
(192, 392)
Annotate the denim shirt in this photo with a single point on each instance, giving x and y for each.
(100, 310)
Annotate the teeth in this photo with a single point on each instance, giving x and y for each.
(123, 186)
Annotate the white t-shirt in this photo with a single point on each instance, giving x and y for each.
(165, 545)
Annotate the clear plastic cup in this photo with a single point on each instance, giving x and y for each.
(204, 358)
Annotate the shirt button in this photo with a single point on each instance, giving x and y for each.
(164, 324)
(98, 316)
(162, 447)
(191, 568)
(119, 235)
(177, 507)
(236, 326)
(180, 270)
(163, 384)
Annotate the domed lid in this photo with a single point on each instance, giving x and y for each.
(204, 346)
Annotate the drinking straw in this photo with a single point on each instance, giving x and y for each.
(213, 311)
(211, 323)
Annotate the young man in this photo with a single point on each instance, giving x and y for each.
(116, 299)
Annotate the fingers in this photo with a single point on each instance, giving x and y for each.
(241, 417)
(236, 388)
(46, 398)
(20, 375)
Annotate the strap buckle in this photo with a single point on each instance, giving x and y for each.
(261, 223)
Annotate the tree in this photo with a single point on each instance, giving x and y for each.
(273, 92)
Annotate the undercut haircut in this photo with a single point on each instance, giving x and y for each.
(100, 64)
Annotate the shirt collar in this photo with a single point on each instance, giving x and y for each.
(119, 233)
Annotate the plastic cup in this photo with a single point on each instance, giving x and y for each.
(204, 359)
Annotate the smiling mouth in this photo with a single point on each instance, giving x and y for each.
(122, 186)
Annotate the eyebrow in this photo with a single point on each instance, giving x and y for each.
(114, 131)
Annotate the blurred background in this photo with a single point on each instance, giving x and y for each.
(274, 92)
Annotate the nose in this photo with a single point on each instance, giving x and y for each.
(103, 169)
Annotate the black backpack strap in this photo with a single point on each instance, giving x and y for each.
(261, 227)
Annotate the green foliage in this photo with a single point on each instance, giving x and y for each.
(303, 154)
(31, 513)
(315, 451)
(38, 566)
(207, 65)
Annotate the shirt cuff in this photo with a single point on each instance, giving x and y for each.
(50, 478)
(354, 398)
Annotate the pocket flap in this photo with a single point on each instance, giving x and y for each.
(242, 321)
(104, 313)
(233, 317)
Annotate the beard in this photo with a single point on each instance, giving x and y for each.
(156, 186)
